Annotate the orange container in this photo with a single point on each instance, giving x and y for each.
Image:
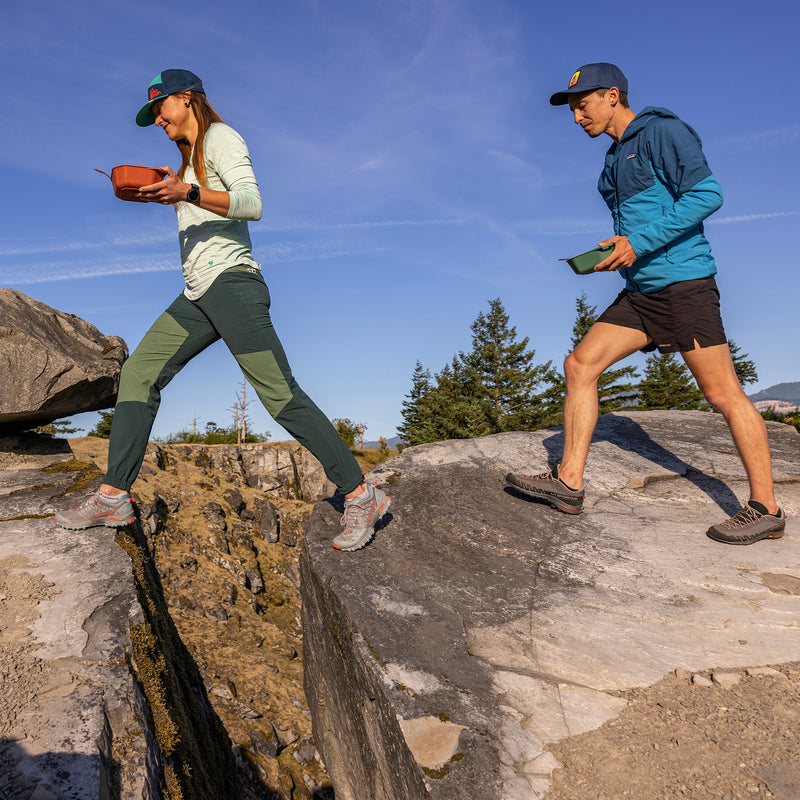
(127, 179)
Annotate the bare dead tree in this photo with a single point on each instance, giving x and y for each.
(244, 407)
(240, 414)
(361, 427)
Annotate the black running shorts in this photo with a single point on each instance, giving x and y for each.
(674, 317)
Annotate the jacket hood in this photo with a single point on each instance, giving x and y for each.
(646, 114)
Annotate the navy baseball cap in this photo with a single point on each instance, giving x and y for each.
(590, 77)
(165, 83)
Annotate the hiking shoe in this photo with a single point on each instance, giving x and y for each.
(549, 487)
(98, 509)
(751, 524)
(360, 516)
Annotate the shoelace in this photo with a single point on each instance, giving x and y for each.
(542, 476)
(90, 500)
(349, 519)
(747, 516)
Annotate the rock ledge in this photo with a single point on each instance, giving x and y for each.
(479, 627)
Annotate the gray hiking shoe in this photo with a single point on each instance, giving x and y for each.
(549, 487)
(751, 524)
(360, 516)
(97, 510)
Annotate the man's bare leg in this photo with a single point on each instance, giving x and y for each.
(715, 374)
(602, 346)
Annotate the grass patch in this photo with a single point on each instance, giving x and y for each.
(373, 455)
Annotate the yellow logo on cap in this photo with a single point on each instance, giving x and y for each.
(574, 79)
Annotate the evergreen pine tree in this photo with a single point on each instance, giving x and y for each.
(745, 368)
(501, 380)
(452, 405)
(615, 387)
(668, 384)
(494, 387)
(585, 317)
(415, 428)
(61, 427)
(103, 427)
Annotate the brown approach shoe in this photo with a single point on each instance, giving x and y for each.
(750, 525)
(549, 487)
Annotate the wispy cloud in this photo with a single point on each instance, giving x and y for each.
(286, 252)
(290, 253)
(510, 235)
(423, 89)
(750, 217)
(41, 248)
(364, 225)
(565, 227)
(68, 271)
(518, 168)
(771, 137)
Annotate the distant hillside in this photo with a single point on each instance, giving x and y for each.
(787, 392)
(391, 442)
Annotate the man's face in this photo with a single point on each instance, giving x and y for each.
(592, 112)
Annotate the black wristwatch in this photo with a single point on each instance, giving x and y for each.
(193, 195)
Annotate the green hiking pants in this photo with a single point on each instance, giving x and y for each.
(235, 309)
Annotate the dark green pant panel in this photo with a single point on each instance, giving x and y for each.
(238, 305)
(236, 309)
(130, 428)
(306, 423)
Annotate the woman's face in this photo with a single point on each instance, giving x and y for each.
(173, 115)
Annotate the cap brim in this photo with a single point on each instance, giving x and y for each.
(562, 98)
(559, 99)
(145, 116)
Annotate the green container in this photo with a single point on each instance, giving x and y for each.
(585, 263)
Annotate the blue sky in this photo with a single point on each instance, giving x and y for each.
(411, 169)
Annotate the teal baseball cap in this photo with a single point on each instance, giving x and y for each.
(166, 83)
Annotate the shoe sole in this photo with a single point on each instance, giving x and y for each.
(381, 511)
(776, 533)
(108, 523)
(548, 498)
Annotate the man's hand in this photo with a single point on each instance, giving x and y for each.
(622, 255)
(170, 190)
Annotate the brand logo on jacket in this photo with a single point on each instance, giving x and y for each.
(632, 155)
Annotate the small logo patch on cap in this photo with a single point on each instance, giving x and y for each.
(154, 92)
(574, 79)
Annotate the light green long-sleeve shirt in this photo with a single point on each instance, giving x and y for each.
(210, 244)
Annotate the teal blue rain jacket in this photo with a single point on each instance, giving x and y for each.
(660, 189)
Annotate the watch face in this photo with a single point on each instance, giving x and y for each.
(193, 195)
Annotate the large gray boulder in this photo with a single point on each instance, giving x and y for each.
(480, 627)
(71, 710)
(52, 364)
(99, 697)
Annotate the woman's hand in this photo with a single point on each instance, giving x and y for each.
(170, 190)
(173, 190)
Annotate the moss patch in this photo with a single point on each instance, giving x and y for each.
(73, 465)
(87, 472)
